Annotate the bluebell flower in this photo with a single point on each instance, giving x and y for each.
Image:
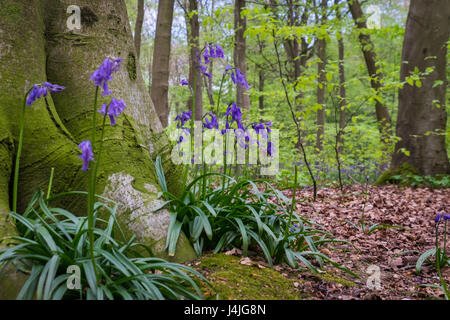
(270, 148)
(239, 78)
(210, 124)
(116, 107)
(219, 52)
(41, 90)
(182, 118)
(184, 82)
(204, 71)
(236, 114)
(103, 74)
(438, 217)
(86, 154)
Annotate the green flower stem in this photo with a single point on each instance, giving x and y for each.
(50, 183)
(92, 188)
(19, 152)
(291, 211)
(220, 95)
(100, 149)
(194, 97)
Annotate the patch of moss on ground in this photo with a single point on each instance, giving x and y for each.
(398, 175)
(328, 277)
(234, 281)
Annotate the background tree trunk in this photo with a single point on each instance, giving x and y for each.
(322, 81)
(376, 77)
(138, 27)
(426, 35)
(195, 74)
(161, 61)
(240, 59)
(342, 90)
(41, 48)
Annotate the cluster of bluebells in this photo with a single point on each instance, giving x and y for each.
(181, 120)
(209, 52)
(114, 110)
(238, 78)
(101, 77)
(442, 216)
(41, 90)
(212, 123)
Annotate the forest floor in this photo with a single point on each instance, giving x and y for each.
(394, 251)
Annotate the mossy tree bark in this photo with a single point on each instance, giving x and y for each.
(36, 46)
(422, 117)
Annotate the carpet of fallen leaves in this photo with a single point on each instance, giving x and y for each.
(395, 250)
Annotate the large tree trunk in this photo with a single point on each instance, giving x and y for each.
(376, 77)
(421, 124)
(138, 27)
(195, 74)
(161, 60)
(342, 90)
(240, 59)
(36, 46)
(322, 82)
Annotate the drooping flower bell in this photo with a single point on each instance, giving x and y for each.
(86, 154)
(41, 90)
(182, 118)
(103, 74)
(116, 107)
(210, 124)
(239, 78)
(236, 115)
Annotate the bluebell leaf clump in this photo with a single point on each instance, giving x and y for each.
(86, 154)
(41, 90)
(104, 73)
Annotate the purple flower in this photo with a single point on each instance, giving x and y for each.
(103, 74)
(228, 68)
(438, 217)
(219, 52)
(270, 149)
(86, 154)
(116, 107)
(212, 52)
(210, 124)
(204, 70)
(236, 114)
(182, 118)
(41, 90)
(447, 217)
(239, 78)
(184, 82)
